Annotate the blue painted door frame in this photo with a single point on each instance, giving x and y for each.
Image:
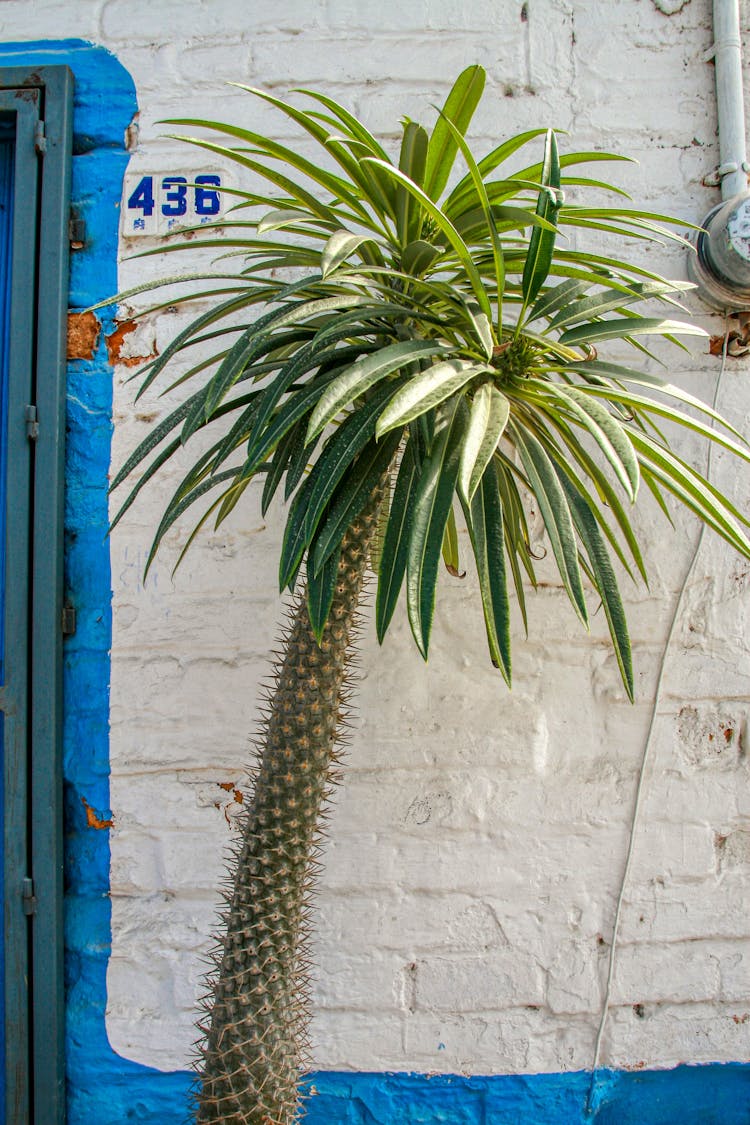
(35, 110)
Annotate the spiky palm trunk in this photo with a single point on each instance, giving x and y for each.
(256, 1039)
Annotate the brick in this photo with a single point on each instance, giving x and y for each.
(675, 1032)
(363, 982)
(493, 982)
(680, 972)
(734, 970)
(573, 981)
(351, 59)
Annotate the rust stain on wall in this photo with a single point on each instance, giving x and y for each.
(92, 819)
(83, 335)
(115, 341)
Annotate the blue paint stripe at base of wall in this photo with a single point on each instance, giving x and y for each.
(715, 1094)
(702, 1095)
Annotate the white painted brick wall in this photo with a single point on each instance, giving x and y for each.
(478, 839)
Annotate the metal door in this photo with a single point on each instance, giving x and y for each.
(33, 284)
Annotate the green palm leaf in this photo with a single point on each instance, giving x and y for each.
(603, 576)
(412, 162)
(321, 586)
(427, 390)
(340, 246)
(338, 454)
(629, 326)
(396, 540)
(431, 508)
(484, 519)
(458, 110)
(555, 513)
(542, 242)
(609, 435)
(489, 415)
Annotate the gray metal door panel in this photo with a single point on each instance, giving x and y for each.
(35, 154)
(21, 110)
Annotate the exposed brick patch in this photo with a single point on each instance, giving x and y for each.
(83, 335)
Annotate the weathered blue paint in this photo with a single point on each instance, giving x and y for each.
(103, 1086)
(700, 1095)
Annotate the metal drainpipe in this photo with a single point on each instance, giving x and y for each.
(720, 267)
(733, 166)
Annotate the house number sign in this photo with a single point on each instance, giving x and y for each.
(156, 203)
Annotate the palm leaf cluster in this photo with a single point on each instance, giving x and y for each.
(384, 322)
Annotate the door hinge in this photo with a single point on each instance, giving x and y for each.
(69, 622)
(40, 139)
(32, 423)
(28, 896)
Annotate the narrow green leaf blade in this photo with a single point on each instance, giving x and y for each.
(459, 108)
(340, 246)
(321, 587)
(278, 467)
(432, 505)
(629, 375)
(488, 164)
(490, 227)
(599, 303)
(555, 513)
(542, 242)
(628, 326)
(295, 539)
(418, 256)
(338, 454)
(489, 415)
(395, 543)
(412, 162)
(486, 529)
(609, 434)
(427, 390)
(450, 553)
(605, 580)
(482, 328)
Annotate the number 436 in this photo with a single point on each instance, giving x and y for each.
(177, 197)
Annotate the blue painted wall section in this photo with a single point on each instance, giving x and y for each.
(699, 1095)
(103, 1087)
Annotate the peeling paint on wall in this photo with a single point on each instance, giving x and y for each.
(131, 344)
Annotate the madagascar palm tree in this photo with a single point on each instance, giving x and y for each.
(394, 355)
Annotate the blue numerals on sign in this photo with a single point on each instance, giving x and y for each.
(177, 197)
(142, 198)
(206, 201)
